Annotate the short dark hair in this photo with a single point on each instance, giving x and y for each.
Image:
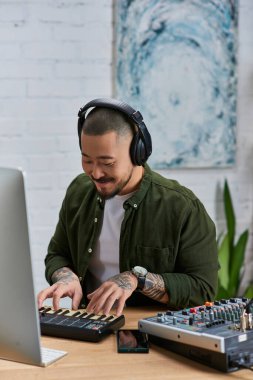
(101, 120)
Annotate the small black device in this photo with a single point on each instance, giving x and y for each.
(141, 145)
(132, 341)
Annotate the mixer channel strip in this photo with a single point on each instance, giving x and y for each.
(78, 324)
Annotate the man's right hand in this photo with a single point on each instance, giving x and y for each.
(66, 284)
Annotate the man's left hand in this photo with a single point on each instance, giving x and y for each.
(117, 288)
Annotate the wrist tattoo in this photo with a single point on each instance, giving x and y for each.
(122, 280)
(64, 276)
(155, 288)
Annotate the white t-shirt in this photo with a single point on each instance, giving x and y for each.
(105, 260)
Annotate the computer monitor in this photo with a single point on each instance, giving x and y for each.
(19, 317)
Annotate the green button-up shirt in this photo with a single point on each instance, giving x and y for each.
(165, 229)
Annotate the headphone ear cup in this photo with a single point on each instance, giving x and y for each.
(137, 150)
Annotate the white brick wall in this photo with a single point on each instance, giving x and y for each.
(54, 57)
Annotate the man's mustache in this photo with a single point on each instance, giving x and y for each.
(102, 180)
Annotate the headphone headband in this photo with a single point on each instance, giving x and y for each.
(142, 140)
(108, 103)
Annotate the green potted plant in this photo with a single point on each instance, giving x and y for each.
(231, 253)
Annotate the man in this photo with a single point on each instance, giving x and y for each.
(126, 234)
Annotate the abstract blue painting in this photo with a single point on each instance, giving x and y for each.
(176, 62)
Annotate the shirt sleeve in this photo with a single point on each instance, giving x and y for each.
(58, 255)
(196, 271)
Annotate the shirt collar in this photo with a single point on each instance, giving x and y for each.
(138, 196)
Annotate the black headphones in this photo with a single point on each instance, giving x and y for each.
(141, 145)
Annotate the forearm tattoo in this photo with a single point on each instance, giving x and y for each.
(155, 288)
(64, 276)
(122, 280)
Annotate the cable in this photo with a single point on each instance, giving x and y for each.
(245, 366)
(241, 365)
(248, 306)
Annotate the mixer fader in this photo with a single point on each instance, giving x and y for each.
(219, 333)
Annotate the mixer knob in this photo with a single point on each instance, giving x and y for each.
(223, 300)
(160, 317)
(185, 312)
(191, 321)
(211, 316)
(193, 310)
(217, 303)
(236, 315)
(233, 300)
(169, 312)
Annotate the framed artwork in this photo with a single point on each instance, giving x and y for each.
(176, 62)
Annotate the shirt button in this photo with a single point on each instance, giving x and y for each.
(135, 205)
(80, 278)
(90, 250)
(95, 220)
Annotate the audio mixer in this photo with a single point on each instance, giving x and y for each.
(218, 334)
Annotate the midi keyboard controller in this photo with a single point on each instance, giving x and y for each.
(218, 334)
(78, 324)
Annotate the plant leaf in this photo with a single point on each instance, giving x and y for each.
(237, 257)
(223, 255)
(230, 215)
(221, 235)
(222, 293)
(249, 292)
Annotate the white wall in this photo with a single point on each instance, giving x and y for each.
(54, 57)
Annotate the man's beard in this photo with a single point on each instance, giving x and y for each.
(120, 186)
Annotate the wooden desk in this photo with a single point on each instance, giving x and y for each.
(101, 361)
